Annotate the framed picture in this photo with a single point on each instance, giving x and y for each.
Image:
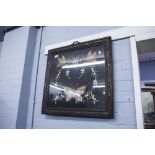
(79, 80)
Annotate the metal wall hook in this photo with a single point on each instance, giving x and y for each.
(75, 42)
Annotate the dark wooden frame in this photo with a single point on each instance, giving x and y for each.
(108, 112)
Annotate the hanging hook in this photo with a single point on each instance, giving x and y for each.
(75, 42)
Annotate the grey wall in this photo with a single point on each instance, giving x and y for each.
(11, 74)
(125, 116)
(18, 69)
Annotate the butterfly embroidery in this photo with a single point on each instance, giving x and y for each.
(91, 56)
(61, 61)
(75, 92)
(79, 91)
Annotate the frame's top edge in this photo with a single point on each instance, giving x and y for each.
(77, 44)
(71, 43)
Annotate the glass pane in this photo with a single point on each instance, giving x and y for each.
(78, 78)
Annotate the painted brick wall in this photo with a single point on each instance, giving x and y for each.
(125, 116)
(11, 73)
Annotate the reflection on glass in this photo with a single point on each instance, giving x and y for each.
(78, 78)
(147, 102)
